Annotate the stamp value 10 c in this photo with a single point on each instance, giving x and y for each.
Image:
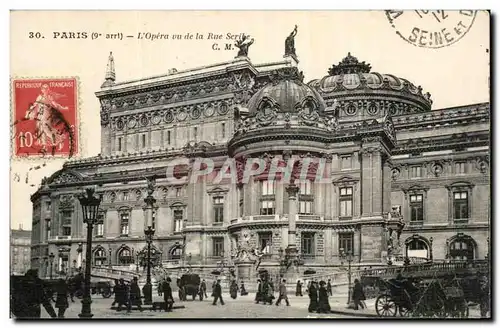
(45, 117)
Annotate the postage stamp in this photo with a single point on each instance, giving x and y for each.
(45, 118)
(431, 28)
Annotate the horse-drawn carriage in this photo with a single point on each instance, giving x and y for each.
(75, 287)
(189, 284)
(421, 298)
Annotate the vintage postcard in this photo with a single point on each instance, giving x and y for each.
(250, 164)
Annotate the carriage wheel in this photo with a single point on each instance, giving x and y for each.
(386, 306)
(405, 311)
(106, 293)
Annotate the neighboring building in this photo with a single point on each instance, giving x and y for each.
(20, 247)
(404, 179)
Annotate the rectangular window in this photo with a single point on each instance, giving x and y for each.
(99, 228)
(66, 231)
(345, 162)
(47, 206)
(460, 206)
(124, 223)
(168, 137)
(416, 208)
(305, 187)
(48, 230)
(460, 168)
(120, 144)
(346, 242)
(178, 220)
(66, 217)
(195, 133)
(307, 243)
(218, 246)
(268, 187)
(223, 129)
(265, 242)
(218, 203)
(177, 192)
(125, 195)
(241, 208)
(143, 141)
(345, 202)
(416, 172)
(305, 207)
(267, 207)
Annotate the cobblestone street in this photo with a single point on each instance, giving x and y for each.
(242, 307)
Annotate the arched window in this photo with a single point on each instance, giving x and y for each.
(175, 252)
(418, 248)
(125, 256)
(461, 248)
(100, 256)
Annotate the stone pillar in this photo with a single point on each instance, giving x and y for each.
(292, 191)
(372, 181)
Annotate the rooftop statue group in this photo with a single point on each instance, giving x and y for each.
(244, 44)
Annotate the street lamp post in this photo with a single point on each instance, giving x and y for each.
(347, 257)
(148, 288)
(431, 256)
(90, 207)
(109, 262)
(51, 259)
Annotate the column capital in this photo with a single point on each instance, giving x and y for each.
(292, 190)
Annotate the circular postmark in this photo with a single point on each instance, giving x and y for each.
(431, 28)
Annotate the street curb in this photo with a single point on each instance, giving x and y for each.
(355, 314)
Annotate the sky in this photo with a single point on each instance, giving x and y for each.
(455, 75)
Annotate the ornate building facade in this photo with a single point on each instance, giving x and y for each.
(20, 247)
(402, 179)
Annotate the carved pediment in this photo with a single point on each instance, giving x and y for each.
(65, 177)
(345, 180)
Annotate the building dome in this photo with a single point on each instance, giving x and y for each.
(352, 77)
(286, 93)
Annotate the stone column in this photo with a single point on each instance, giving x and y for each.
(292, 191)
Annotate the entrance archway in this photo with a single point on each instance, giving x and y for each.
(175, 252)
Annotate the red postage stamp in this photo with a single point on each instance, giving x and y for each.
(45, 117)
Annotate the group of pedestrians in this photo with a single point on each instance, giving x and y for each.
(127, 295)
(318, 296)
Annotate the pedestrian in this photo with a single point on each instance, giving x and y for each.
(135, 296)
(313, 297)
(233, 289)
(167, 295)
(258, 294)
(27, 295)
(160, 287)
(298, 289)
(283, 293)
(218, 293)
(358, 295)
(71, 289)
(323, 303)
(243, 291)
(203, 288)
(213, 287)
(115, 291)
(483, 294)
(121, 295)
(329, 287)
(62, 298)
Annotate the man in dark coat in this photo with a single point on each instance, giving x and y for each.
(283, 294)
(358, 295)
(233, 289)
(258, 294)
(121, 295)
(483, 293)
(298, 289)
(27, 295)
(243, 290)
(323, 303)
(135, 296)
(218, 293)
(62, 298)
(313, 297)
(203, 288)
(329, 287)
(167, 295)
(115, 291)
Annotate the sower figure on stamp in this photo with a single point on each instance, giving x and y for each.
(283, 293)
(42, 112)
(218, 293)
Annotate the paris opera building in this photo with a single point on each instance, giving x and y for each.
(403, 180)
